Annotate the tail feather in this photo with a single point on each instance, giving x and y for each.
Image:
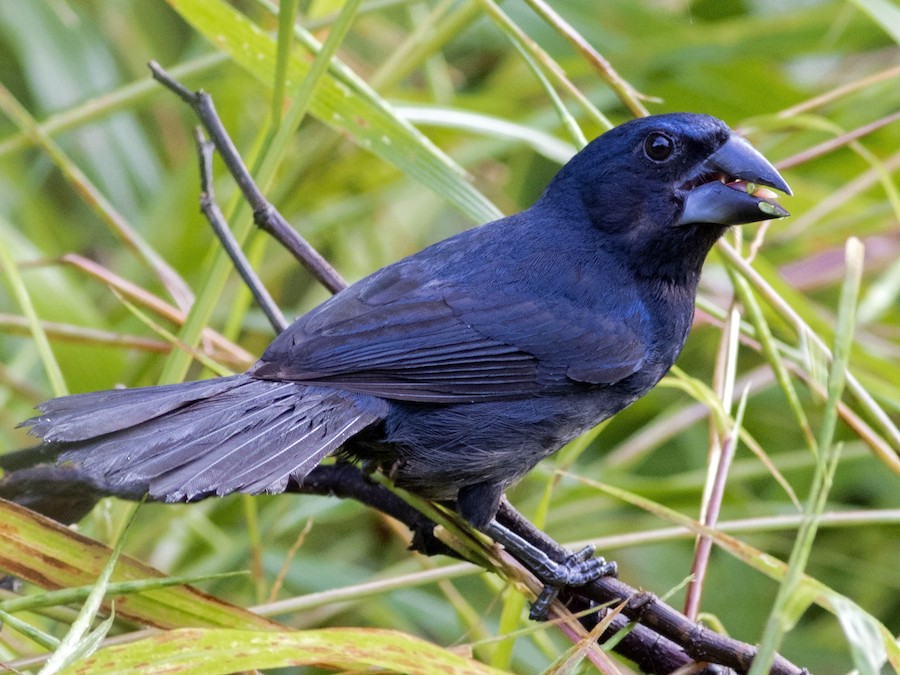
(325, 428)
(183, 442)
(83, 416)
(170, 441)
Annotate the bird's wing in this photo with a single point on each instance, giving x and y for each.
(591, 347)
(399, 336)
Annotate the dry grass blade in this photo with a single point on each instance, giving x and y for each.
(219, 347)
(835, 143)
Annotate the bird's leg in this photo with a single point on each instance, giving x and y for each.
(576, 569)
(482, 504)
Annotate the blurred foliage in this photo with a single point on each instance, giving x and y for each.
(78, 69)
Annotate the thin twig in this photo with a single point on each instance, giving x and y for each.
(265, 215)
(216, 218)
(723, 442)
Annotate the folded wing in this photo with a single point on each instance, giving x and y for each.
(401, 336)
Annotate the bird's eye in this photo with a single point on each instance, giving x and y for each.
(658, 146)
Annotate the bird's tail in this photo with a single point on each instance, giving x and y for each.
(185, 441)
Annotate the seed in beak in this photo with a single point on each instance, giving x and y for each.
(768, 209)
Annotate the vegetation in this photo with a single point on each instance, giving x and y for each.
(110, 275)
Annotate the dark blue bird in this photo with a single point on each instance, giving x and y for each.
(458, 368)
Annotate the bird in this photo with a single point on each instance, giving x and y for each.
(459, 368)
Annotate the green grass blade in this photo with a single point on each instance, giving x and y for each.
(78, 642)
(626, 93)
(773, 356)
(14, 279)
(40, 637)
(68, 596)
(343, 102)
(789, 313)
(287, 14)
(478, 123)
(884, 13)
(568, 121)
(124, 98)
(92, 196)
(518, 36)
(790, 603)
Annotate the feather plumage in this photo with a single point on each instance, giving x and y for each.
(187, 441)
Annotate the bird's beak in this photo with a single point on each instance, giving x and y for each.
(730, 187)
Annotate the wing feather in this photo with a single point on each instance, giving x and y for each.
(406, 334)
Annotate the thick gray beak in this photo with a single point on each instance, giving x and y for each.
(727, 188)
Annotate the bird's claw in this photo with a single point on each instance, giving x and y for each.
(578, 569)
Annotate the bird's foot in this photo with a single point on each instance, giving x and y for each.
(578, 569)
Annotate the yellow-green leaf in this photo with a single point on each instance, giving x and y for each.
(342, 101)
(45, 553)
(212, 651)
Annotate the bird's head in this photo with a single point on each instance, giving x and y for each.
(664, 188)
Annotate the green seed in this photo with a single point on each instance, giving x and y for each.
(751, 188)
(768, 209)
